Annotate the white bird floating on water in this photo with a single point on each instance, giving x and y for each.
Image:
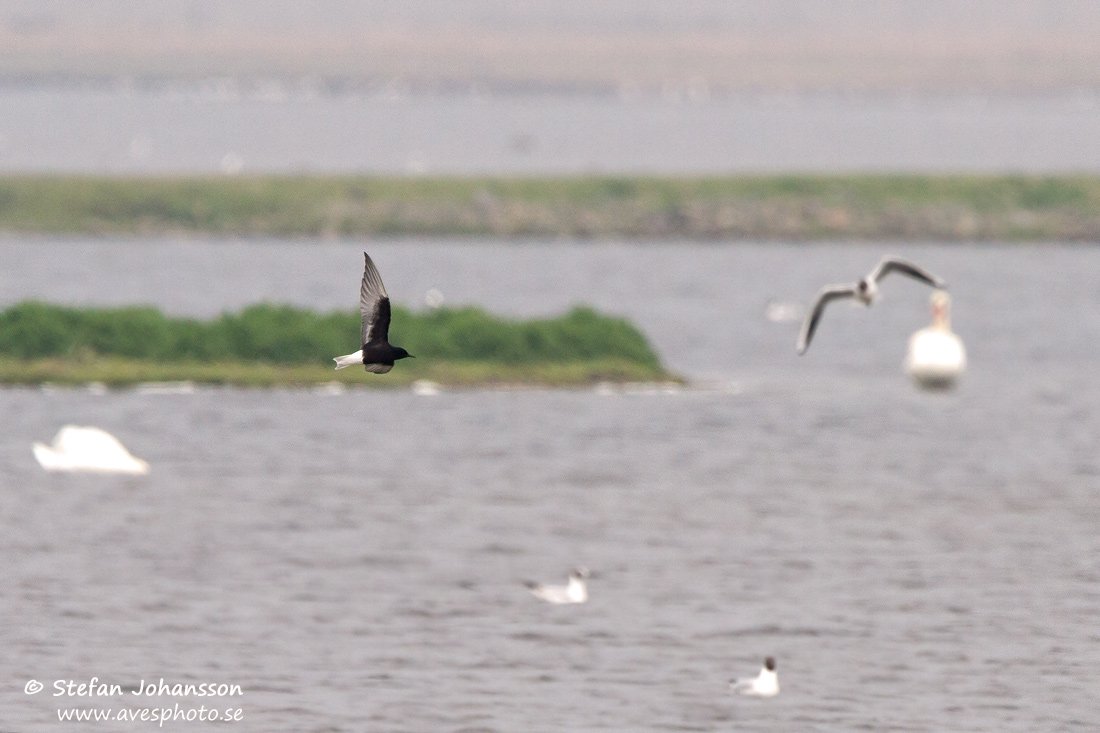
(764, 684)
(575, 592)
(87, 449)
(865, 291)
(425, 388)
(936, 356)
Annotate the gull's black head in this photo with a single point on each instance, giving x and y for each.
(769, 664)
(399, 353)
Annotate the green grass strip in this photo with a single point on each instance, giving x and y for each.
(276, 344)
(790, 207)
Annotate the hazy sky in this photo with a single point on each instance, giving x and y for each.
(1027, 16)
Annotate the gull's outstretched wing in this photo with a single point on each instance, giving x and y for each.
(374, 304)
(893, 264)
(829, 293)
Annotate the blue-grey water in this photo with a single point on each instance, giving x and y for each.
(914, 561)
(224, 126)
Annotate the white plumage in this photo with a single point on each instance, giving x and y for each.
(87, 449)
(936, 357)
(575, 592)
(765, 684)
(343, 362)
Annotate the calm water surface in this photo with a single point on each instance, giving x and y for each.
(916, 562)
(222, 127)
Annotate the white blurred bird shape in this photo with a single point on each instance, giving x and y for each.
(87, 449)
(936, 355)
(765, 684)
(575, 592)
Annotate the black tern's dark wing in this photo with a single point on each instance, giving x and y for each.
(379, 327)
(893, 264)
(830, 292)
(378, 368)
(374, 304)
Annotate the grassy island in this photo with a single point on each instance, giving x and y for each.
(269, 345)
(787, 207)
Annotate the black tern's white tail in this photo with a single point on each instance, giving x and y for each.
(343, 362)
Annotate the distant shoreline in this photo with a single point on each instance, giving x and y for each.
(945, 208)
(126, 373)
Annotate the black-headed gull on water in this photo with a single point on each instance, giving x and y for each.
(764, 684)
(575, 592)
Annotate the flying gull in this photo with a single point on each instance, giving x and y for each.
(865, 291)
(374, 304)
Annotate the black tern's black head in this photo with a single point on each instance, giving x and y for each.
(769, 664)
(399, 353)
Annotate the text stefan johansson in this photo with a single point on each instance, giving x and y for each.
(95, 688)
